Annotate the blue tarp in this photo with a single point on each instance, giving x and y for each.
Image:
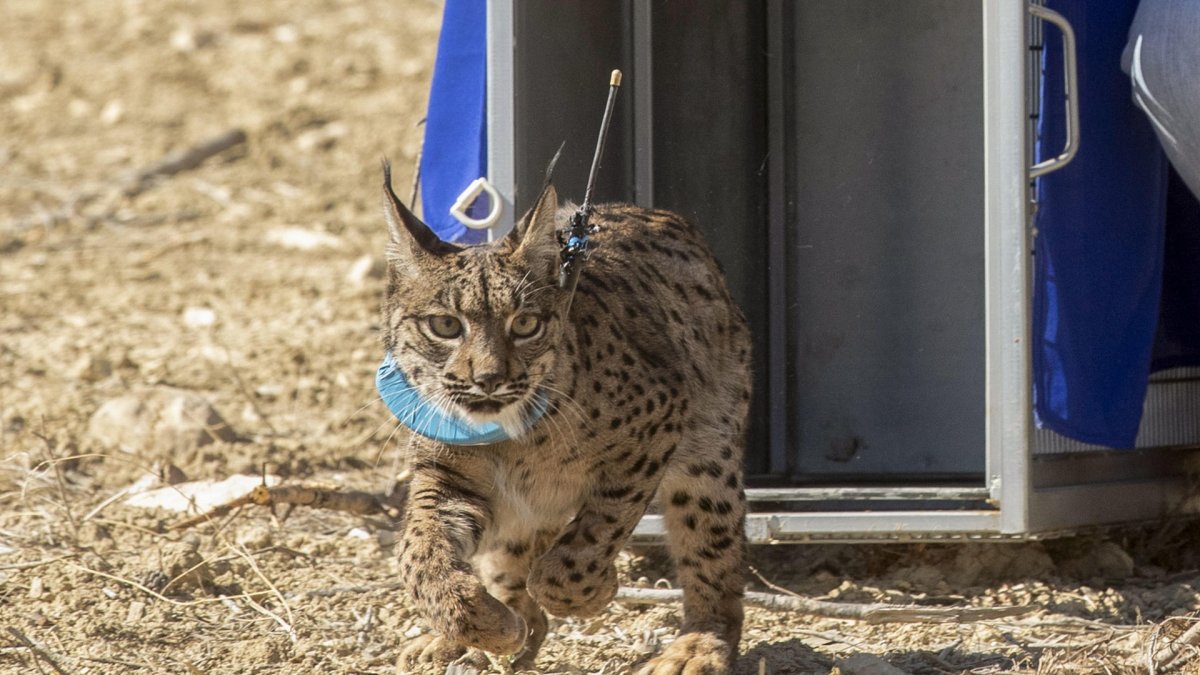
(1099, 251)
(455, 148)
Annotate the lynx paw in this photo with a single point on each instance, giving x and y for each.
(429, 653)
(489, 625)
(566, 586)
(692, 654)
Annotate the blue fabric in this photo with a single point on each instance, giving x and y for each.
(431, 421)
(455, 148)
(1100, 240)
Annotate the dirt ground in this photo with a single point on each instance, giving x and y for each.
(251, 281)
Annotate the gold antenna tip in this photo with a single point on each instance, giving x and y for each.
(615, 80)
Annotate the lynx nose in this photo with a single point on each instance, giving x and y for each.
(488, 382)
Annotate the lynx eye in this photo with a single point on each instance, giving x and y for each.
(445, 326)
(525, 325)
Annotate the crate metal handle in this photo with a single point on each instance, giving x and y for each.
(1070, 92)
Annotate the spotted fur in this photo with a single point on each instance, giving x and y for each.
(648, 385)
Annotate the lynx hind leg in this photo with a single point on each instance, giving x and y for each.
(705, 510)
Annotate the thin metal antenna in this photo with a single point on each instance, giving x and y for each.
(574, 239)
(614, 83)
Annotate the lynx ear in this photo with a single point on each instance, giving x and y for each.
(538, 227)
(410, 239)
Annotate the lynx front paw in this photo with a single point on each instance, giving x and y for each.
(464, 613)
(692, 654)
(568, 586)
(489, 624)
(428, 653)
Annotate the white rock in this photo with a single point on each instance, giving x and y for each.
(322, 137)
(184, 40)
(199, 317)
(112, 112)
(302, 239)
(202, 494)
(285, 34)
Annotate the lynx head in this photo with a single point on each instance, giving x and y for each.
(475, 329)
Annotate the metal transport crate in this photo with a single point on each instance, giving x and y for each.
(863, 169)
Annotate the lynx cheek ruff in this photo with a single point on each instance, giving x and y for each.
(434, 422)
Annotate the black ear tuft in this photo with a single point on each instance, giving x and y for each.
(553, 162)
(401, 220)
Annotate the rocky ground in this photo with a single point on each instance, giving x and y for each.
(241, 294)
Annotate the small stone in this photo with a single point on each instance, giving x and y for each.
(285, 34)
(322, 137)
(37, 588)
(302, 239)
(112, 112)
(368, 267)
(982, 563)
(256, 538)
(137, 609)
(1103, 559)
(91, 368)
(184, 40)
(164, 420)
(250, 414)
(865, 664)
(185, 567)
(199, 317)
(919, 576)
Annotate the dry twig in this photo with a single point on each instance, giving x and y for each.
(38, 651)
(350, 501)
(136, 182)
(870, 613)
(286, 625)
(1170, 655)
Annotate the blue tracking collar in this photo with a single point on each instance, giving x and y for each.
(431, 421)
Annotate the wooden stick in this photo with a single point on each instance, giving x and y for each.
(36, 649)
(350, 501)
(871, 613)
(182, 160)
(1168, 656)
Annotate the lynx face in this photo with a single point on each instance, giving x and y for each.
(475, 330)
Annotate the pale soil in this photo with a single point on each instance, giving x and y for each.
(95, 306)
